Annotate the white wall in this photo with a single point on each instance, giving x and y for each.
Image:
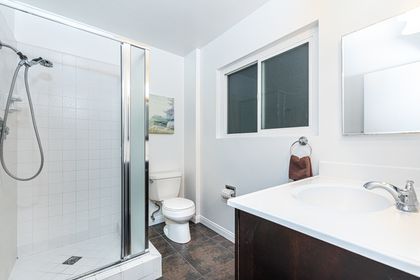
(391, 99)
(256, 163)
(249, 163)
(166, 152)
(8, 186)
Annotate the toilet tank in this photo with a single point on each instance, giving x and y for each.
(164, 185)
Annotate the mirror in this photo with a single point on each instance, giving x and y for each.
(381, 77)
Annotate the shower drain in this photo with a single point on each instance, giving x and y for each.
(72, 260)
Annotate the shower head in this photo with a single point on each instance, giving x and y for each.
(46, 63)
(40, 60)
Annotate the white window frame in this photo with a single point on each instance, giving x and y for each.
(310, 35)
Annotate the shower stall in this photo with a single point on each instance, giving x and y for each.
(73, 147)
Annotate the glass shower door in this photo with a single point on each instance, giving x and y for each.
(87, 209)
(68, 219)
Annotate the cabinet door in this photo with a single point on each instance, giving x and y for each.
(265, 250)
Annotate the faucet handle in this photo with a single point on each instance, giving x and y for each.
(410, 197)
(409, 185)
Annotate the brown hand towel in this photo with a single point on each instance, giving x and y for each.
(300, 168)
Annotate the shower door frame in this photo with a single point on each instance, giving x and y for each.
(125, 67)
(126, 252)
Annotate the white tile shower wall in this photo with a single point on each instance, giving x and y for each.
(8, 186)
(77, 195)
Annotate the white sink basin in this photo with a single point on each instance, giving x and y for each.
(342, 198)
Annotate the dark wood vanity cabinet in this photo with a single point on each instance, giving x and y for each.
(265, 250)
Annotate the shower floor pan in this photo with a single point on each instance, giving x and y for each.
(68, 261)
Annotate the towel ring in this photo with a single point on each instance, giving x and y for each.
(303, 141)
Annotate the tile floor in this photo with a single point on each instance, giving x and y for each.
(207, 256)
(95, 252)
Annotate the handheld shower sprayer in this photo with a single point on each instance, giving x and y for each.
(40, 60)
(4, 130)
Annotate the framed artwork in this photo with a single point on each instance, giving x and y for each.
(161, 115)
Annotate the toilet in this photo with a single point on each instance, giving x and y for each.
(164, 188)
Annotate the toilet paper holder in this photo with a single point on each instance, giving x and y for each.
(231, 188)
(228, 192)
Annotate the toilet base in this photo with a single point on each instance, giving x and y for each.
(179, 233)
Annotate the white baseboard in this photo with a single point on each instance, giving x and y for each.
(195, 219)
(217, 228)
(200, 219)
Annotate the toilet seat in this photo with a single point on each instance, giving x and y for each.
(177, 204)
(178, 209)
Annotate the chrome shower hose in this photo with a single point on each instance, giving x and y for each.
(5, 118)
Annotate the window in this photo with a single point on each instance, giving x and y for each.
(242, 100)
(273, 91)
(285, 89)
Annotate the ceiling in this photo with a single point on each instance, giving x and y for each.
(174, 26)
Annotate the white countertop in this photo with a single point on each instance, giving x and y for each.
(388, 236)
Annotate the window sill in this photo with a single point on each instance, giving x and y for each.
(269, 133)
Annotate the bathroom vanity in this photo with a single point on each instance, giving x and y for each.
(324, 228)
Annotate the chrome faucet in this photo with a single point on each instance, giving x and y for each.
(405, 198)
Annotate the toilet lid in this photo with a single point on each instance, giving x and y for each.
(178, 203)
